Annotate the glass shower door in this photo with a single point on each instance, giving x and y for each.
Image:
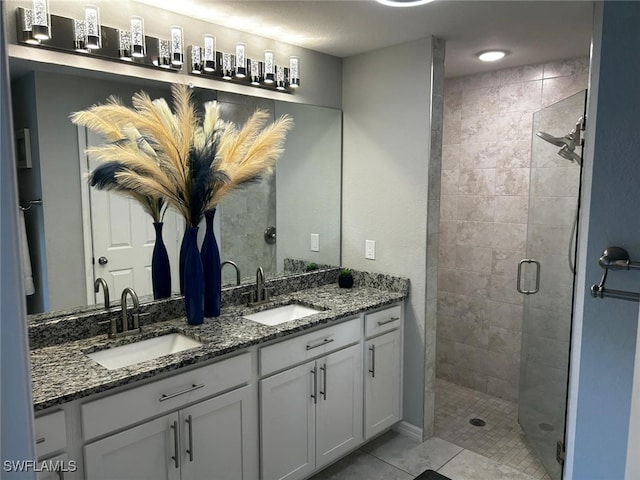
(551, 235)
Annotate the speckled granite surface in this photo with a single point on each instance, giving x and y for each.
(62, 372)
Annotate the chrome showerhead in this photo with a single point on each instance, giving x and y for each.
(557, 141)
(567, 143)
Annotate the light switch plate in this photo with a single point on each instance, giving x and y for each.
(315, 242)
(370, 249)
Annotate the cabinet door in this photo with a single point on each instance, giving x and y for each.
(140, 453)
(220, 437)
(339, 407)
(382, 383)
(288, 423)
(56, 467)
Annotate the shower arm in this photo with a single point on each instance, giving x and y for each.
(615, 258)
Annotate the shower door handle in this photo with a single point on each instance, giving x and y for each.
(518, 280)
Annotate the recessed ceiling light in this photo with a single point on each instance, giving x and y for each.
(403, 3)
(491, 55)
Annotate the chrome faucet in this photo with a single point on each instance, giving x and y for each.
(136, 312)
(234, 265)
(105, 290)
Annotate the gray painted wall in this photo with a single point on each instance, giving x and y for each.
(605, 329)
(386, 136)
(16, 414)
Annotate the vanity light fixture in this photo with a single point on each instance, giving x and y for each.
(196, 59)
(209, 53)
(227, 66)
(294, 72)
(177, 52)
(41, 22)
(281, 82)
(269, 72)
(124, 45)
(79, 34)
(25, 18)
(241, 60)
(92, 38)
(491, 55)
(137, 37)
(256, 71)
(164, 54)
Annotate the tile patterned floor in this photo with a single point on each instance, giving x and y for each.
(458, 450)
(501, 439)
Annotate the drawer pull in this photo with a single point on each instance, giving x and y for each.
(372, 370)
(181, 392)
(324, 342)
(190, 449)
(176, 450)
(40, 440)
(314, 395)
(385, 322)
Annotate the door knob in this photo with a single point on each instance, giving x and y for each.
(103, 260)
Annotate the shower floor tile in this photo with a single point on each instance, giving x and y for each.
(501, 439)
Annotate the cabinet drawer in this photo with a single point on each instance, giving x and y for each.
(298, 349)
(131, 406)
(51, 433)
(382, 320)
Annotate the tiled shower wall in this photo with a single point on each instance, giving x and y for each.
(483, 217)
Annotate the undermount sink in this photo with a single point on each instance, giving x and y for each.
(278, 315)
(142, 351)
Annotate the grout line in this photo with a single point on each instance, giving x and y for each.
(390, 464)
(448, 461)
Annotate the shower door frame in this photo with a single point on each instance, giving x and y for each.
(535, 438)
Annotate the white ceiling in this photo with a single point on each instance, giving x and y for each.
(532, 31)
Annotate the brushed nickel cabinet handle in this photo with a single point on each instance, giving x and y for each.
(324, 342)
(385, 322)
(176, 450)
(40, 440)
(323, 392)
(372, 370)
(193, 387)
(190, 449)
(314, 395)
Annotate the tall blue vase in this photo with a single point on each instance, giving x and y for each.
(211, 265)
(183, 255)
(193, 279)
(160, 269)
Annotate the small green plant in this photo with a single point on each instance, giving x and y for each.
(345, 272)
(311, 267)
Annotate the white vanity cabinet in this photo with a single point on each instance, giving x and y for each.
(212, 438)
(311, 414)
(383, 370)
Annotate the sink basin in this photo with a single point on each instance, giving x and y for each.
(287, 313)
(144, 350)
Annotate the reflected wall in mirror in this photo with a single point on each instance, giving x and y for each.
(302, 198)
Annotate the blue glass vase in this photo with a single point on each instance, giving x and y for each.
(211, 264)
(160, 268)
(193, 279)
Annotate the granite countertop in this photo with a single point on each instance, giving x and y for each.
(62, 373)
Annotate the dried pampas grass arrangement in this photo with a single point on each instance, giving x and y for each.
(156, 155)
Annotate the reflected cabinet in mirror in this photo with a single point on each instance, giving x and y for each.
(79, 234)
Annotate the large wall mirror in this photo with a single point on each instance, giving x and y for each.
(302, 197)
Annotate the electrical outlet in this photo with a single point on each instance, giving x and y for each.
(370, 249)
(315, 242)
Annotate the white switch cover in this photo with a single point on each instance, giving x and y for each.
(315, 242)
(370, 249)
